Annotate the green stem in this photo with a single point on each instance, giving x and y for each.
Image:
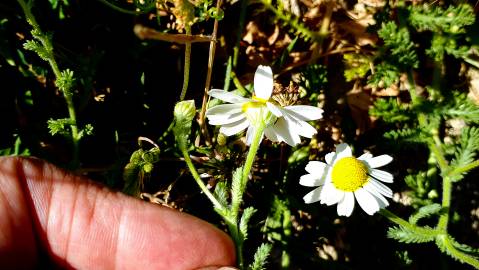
(235, 204)
(238, 84)
(46, 43)
(239, 35)
(454, 252)
(186, 71)
(446, 203)
(412, 87)
(394, 218)
(465, 168)
(198, 180)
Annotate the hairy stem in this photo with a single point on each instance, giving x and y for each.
(186, 69)
(454, 252)
(46, 43)
(235, 204)
(465, 168)
(198, 180)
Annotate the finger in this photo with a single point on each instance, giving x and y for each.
(83, 225)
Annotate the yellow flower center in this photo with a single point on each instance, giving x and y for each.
(349, 174)
(256, 111)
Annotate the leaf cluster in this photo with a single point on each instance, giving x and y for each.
(466, 150)
(138, 169)
(435, 18)
(398, 46)
(261, 257)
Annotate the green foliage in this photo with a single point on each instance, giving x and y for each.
(16, 150)
(237, 187)
(460, 106)
(441, 45)
(437, 19)
(293, 22)
(65, 81)
(35, 46)
(390, 110)
(261, 257)
(221, 192)
(313, 79)
(278, 224)
(424, 212)
(139, 169)
(384, 75)
(422, 192)
(60, 126)
(407, 235)
(411, 135)
(357, 66)
(244, 221)
(399, 46)
(457, 251)
(466, 151)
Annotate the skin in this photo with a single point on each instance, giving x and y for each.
(49, 217)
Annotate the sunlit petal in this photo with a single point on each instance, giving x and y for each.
(233, 128)
(227, 96)
(263, 82)
(367, 201)
(305, 112)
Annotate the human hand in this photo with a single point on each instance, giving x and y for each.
(51, 218)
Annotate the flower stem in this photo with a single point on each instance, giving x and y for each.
(198, 180)
(186, 69)
(235, 204)
(446, 203)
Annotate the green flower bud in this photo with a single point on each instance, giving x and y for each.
(221, 139)
(185, 111)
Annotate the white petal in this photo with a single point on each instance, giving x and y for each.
(285, 132)
(226, 119)
(315, 167)
(274, 109)
(382, 175)
(271, 134)
(311, 180)
(365, 156)
(306, 130)
(233, 128)
(298, 127)
(250, 135)
(313, 196)
(343, 150)
(346, 205)
(331, 195)
(329, 157)
(305, 112)
(263, 82)
(378, 161)
(220, 110)
(381, 188)
(227, 96)
(367, 201)
(381, 200)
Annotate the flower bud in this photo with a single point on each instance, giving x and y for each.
(185, 111)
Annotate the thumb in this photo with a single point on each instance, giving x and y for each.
(80, 224)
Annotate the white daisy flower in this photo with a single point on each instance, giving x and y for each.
(282, 123)
(344, 177)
